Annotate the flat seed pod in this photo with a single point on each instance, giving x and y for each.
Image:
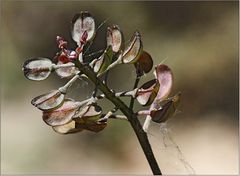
(133, 50)
(66, 72)
(48, 101)
(68, 128)
(80, 23)
(88, 114)
(102, 63)
(115, 38)
(167, 110)
(37, 69)
(61, 115)
(165, 78)
(147, 92)
(144, 63)
(96, 127)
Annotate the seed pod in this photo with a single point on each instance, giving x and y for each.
(101, 64)
(61, 115)
(165, 78)
(48, 101)
(133, 51)
(37, 69)
(67, 128)
(66, 72)
(144, 63)
(167, 110)
(88, 114)
(147, 92)
(95, 126)
(115, 38)
(83, 27)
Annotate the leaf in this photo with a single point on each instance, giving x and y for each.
(48, 101)
(144, 63)
(133, 50)
(167, 110)
(147, 92)
(66, 72)
(83, 27)
(70, 127)
(88, 114)
(165, 78)
(61, 115)
(115, 38)
(37, 69)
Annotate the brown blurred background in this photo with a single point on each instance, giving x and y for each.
(198, 40)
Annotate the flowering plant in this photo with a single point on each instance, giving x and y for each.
(67, 116)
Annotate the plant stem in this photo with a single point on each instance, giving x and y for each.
(132, 118)
(134, 87)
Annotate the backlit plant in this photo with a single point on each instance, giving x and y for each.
(67, 115)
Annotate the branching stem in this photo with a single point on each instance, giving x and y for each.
(132, 118)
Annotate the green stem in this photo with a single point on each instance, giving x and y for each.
(132, 118)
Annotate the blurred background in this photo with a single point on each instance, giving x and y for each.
(198, 40)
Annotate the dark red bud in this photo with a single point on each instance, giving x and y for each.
(78, 50)
(63, 58)
(61, 42)
(84, 38)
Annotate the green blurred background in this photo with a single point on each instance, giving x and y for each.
(198, 40)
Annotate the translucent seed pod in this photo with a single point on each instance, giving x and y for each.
(61, 115)
(144, 64)
(167, 110)
(83, 27)
(37, 69)
(88, 114)
(101, 64)
(66, 72)
(95, 126)
(164, 76)
(147, 92)
(48, 101)
(115, 38)
(68, 128)
(133, 51)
